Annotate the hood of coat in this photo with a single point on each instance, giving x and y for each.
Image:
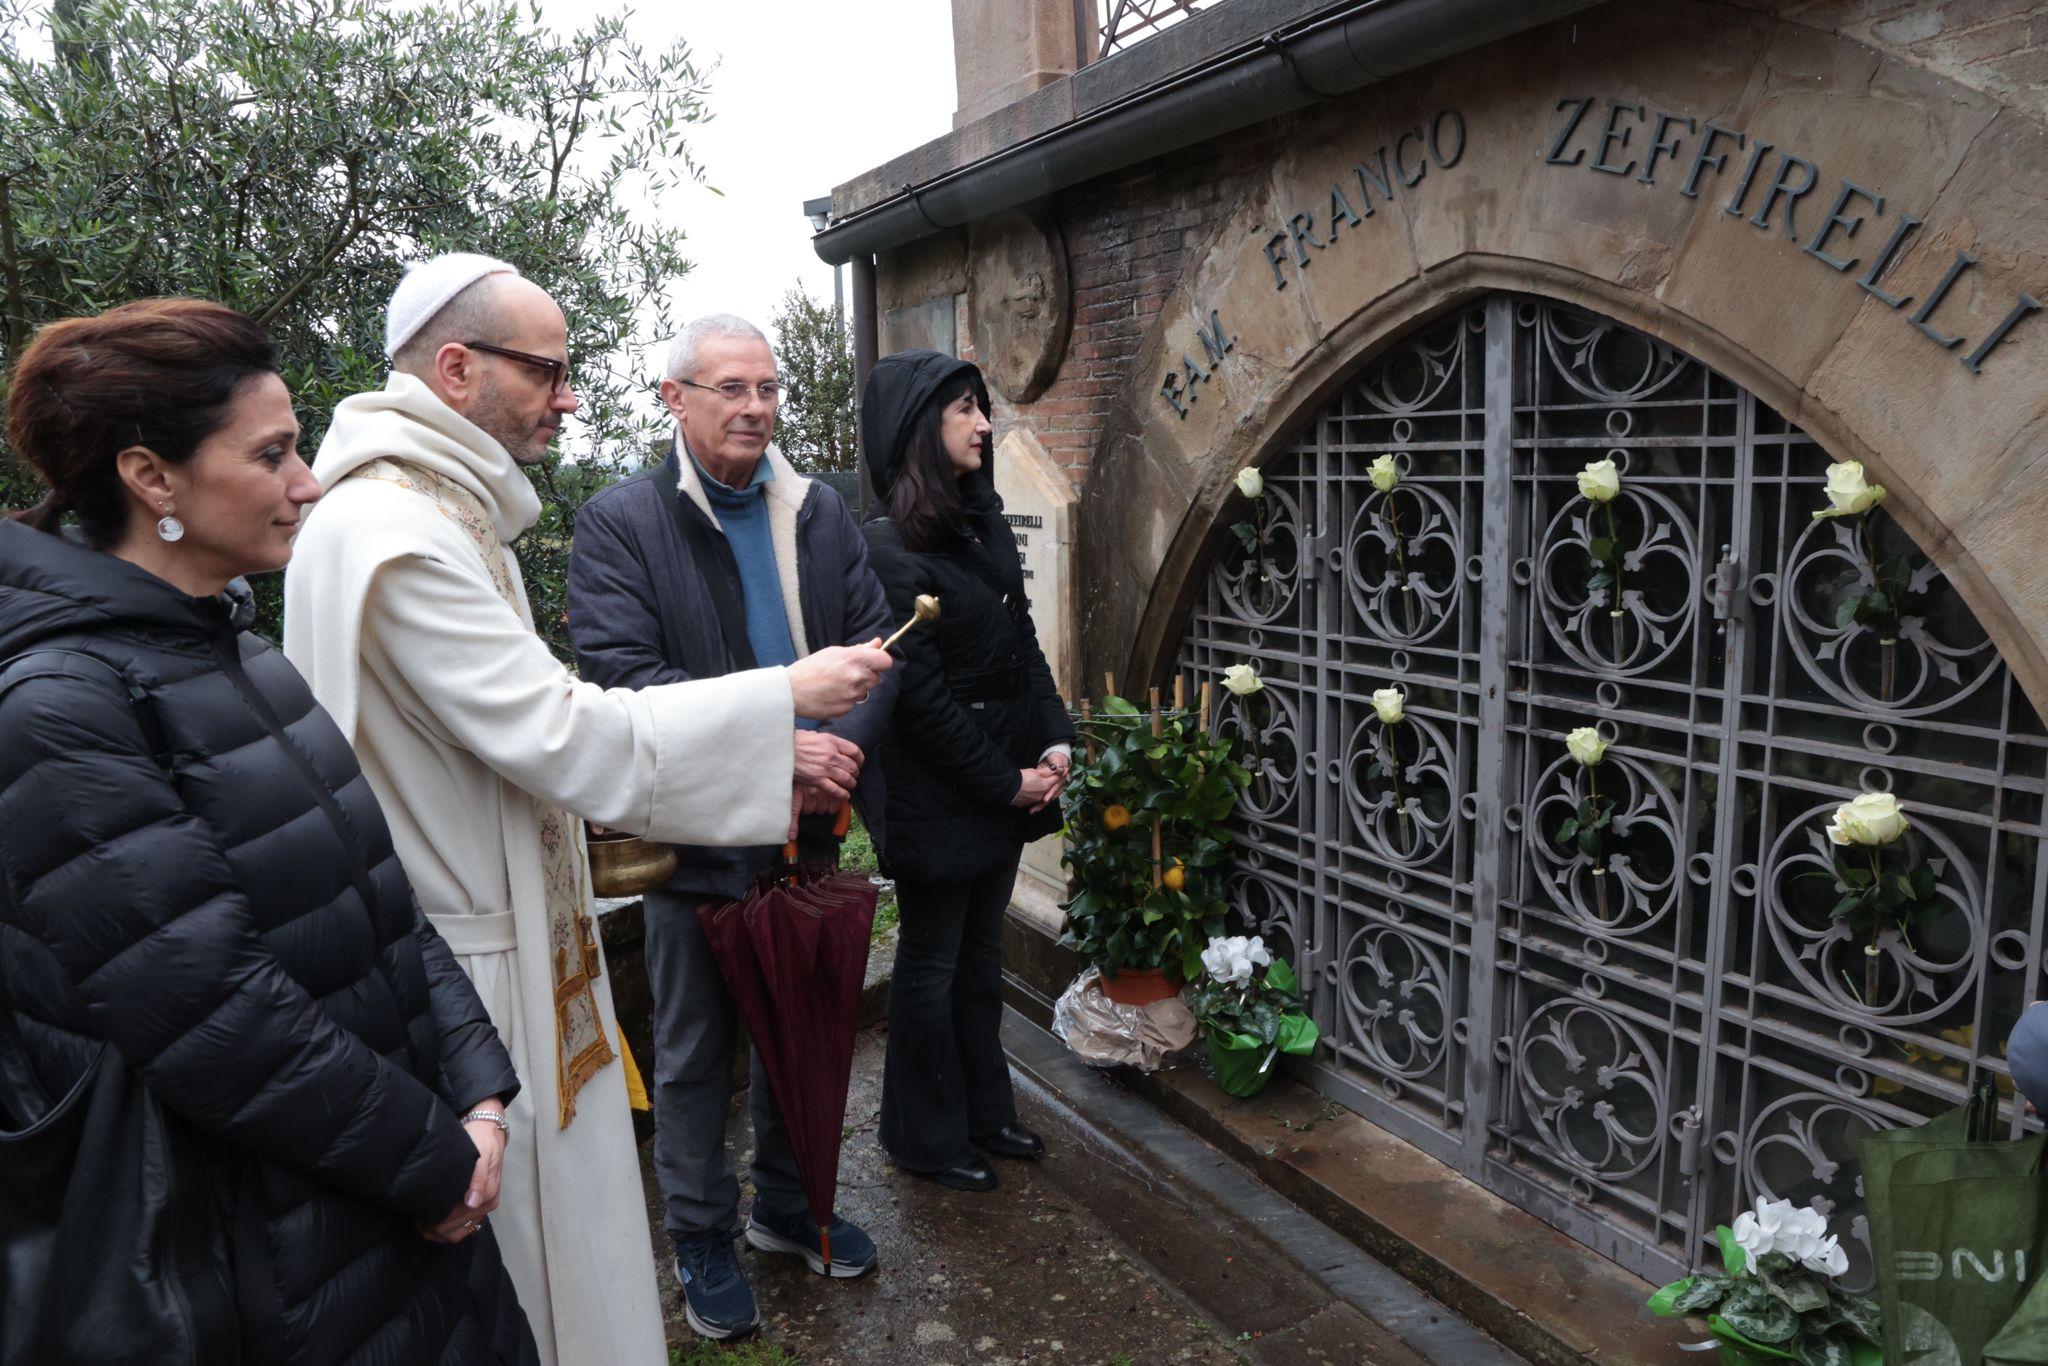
(899, 388)
(52, 585)
(405, 420)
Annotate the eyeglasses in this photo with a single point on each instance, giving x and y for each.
(558, 371)
(736, 391)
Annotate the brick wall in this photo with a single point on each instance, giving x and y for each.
(1128, 237)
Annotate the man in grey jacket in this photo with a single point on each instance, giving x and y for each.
(723, 558)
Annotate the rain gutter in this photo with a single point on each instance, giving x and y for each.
(1288, 68)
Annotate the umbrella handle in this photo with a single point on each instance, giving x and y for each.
(825, 1246)
(844, 821)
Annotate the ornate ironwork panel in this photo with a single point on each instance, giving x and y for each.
(1633, 1045)
(1120, 23)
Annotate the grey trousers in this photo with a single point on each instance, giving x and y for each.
(694, 1032)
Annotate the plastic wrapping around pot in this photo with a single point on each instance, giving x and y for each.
(1244, 1064)
(1103, 1033)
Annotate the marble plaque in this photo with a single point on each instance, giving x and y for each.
(1040, 503)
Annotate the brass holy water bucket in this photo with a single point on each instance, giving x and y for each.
(623, 865)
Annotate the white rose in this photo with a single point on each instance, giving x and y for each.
(1599, 482)
(1250, 484)
(1242, 679)
(1872, 818)
(1827, 1257)
(1586, 746)
(1383, 474)
(1848, 491)
(1388, 702)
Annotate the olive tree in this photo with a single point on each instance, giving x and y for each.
(815, 425)
(288, 156)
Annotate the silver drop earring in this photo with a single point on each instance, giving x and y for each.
(169, 528)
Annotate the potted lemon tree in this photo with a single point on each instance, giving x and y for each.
(1146, 844)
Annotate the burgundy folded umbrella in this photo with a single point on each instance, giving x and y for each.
(794, 955)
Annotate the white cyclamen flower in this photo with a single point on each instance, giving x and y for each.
(1383, 474)
(1762, 1231)
(1599, 482)
(1389, 703)
(1242, 679)
(1803, 1233)
(1827, 1257)
(1848, 492)
(1255, 950)
(1586, 746)
(1872, 818)
(1230, 960)
(1250, 484)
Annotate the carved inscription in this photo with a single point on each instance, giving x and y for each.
(1767, 194)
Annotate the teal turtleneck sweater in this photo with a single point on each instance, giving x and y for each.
(743, 514)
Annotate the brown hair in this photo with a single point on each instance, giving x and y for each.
(925, 502)
(157, 373)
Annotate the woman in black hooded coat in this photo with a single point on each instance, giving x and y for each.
(235, 1059)
(974, 763)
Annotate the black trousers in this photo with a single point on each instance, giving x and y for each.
(945, 1076)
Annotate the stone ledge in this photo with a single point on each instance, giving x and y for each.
(1507, 1272)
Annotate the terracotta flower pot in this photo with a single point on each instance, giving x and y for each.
(1140, 986)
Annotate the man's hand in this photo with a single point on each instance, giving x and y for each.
(833, 681)
(482, 1198)
(827, 764)
(1059, 769)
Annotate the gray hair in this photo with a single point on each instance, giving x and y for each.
(682, 356)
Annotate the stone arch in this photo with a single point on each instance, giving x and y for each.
(1960, 450)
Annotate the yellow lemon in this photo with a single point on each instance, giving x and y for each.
(1175, 878)
(1115, 817)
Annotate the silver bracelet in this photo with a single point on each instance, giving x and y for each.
(496, 1117)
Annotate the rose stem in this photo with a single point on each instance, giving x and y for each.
(1614, 615)
(1400, 561)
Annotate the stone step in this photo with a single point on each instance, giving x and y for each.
(1537, 1292)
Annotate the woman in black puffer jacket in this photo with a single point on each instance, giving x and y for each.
(975, 761)
(246, 1094)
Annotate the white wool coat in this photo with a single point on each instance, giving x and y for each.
(465, 725)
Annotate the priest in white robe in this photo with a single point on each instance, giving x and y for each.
(405, 610)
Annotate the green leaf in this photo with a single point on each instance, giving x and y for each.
(1601, 548)
(1822, 1349)
(1858, 1312)
(1802, 1293)
(1845, 615)
(1666, 1297)
(1753, 1311)
(1568, 831)
(1703, 1291)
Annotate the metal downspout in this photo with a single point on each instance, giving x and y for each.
(866, 346)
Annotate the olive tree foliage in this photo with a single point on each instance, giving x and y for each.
(288, 156)
(815, 425)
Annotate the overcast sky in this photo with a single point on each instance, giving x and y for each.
(807, 94)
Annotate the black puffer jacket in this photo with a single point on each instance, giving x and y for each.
(195, 872)
(976, 703)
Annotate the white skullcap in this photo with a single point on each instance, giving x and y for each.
(428, 286)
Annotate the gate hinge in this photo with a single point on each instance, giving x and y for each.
(1689, 1142)
(1722, 592)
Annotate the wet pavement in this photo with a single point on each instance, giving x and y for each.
(1092, 1255)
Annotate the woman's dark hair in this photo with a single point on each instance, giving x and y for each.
(158, 373)
(925, 501)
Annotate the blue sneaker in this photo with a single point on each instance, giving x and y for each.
(716, 1297)
(796, 1235)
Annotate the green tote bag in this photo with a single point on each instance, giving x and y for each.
(1956, 1224)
